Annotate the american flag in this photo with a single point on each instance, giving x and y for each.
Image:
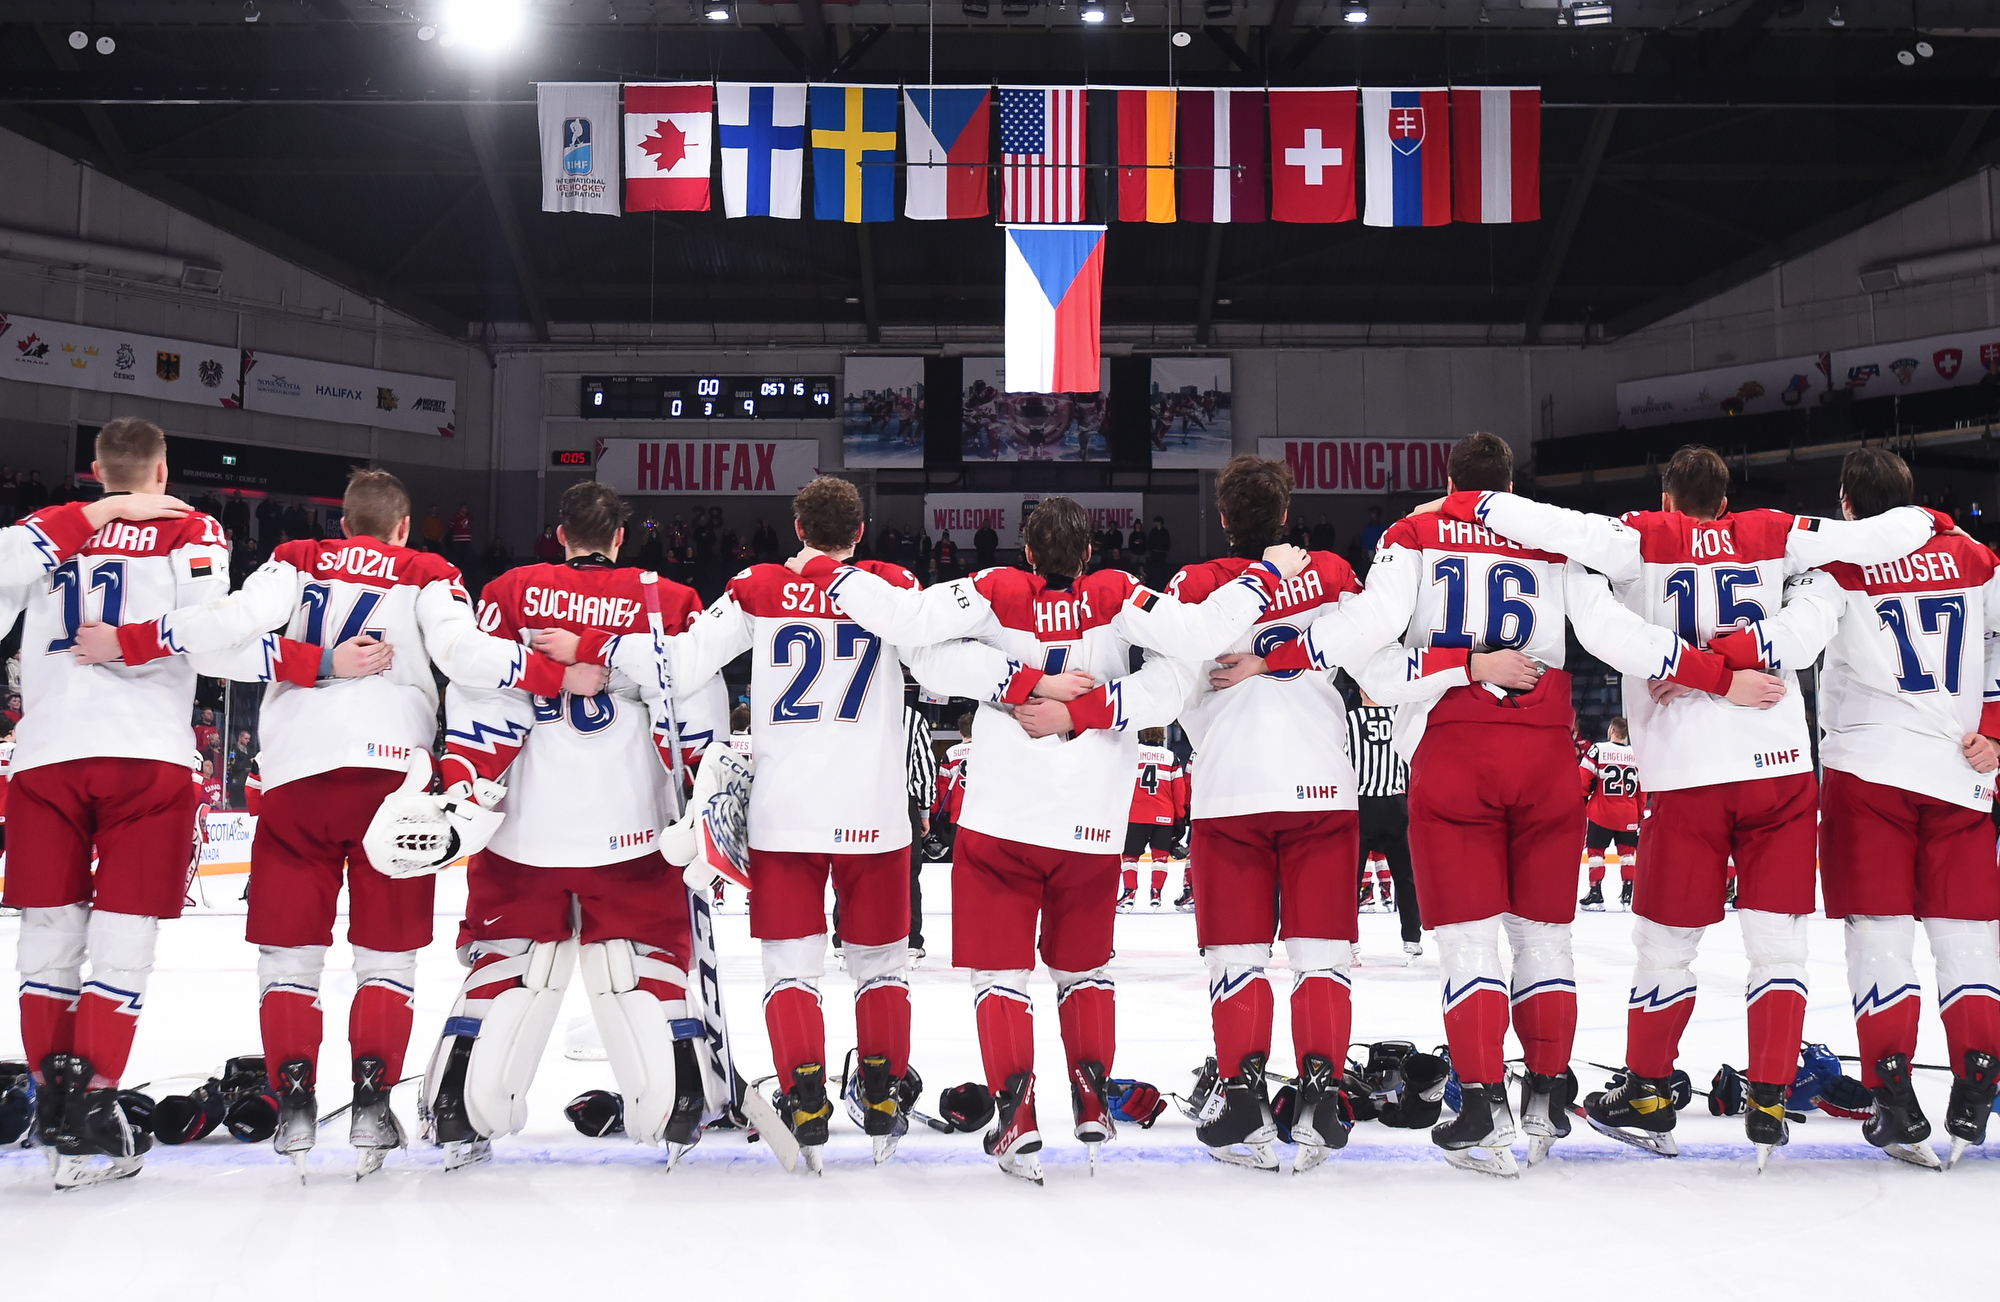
(1041, 154)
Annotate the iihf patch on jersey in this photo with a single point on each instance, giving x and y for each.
(1773, 758)
(1093, 835)
(856, 835)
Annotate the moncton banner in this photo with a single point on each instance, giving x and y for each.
(964, 514)
(707, 465)
(1362, 465)
(350, 395)
(117, 361)
(1749, 390)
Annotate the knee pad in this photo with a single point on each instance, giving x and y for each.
(639, 1028)
(1001, 984)
(1543, 961)
(121, 949)
(50, 950)
(800, 959)
(1968, 958)
(1310, 956)
(1469, 955)
(1229, 966)
(1775, 944)
(1069, 981)
(395, 969)
(508, 1041)
(1881, 969)
(295, 968)
(1660, 971)
(877, 965)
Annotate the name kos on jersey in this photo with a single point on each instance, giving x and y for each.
(575, 607)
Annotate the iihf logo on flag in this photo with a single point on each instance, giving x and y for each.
(576, 146)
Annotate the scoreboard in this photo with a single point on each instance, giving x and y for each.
(708, 397)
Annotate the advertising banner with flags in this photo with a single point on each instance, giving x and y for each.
(761, 131)
(1223, 131)
(1055, 284)
(945, 142)
(1312, 155)
(1042, 134)
(1407, 138)
(579, 121)
(109, 360)
(1133, 127)
(1496, 154)
(854, 153)
(669, 132)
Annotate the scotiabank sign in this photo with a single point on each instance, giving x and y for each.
(707, 465)
(1362, 465)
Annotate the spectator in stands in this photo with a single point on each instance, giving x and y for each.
(1322, 535)
(925, 551)
(270, 517)
(211, 786)
(1159, 543)
(32, 495)
(242, 756)
(236, 519)
(763, 543)
(986, 547)
(460, 536)
(548, 548)
(1371, 537)
(10, 487)
(433, 530)
(207, 739)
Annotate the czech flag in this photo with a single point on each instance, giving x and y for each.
(947, 138)
(1055, 286)
(1406, 144)
(1496, 154)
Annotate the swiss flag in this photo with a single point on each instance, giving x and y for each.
(1312, 155)
(669, 136)
(1947, 361)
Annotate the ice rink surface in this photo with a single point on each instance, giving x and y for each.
(560, 1215)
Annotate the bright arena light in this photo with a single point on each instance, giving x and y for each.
(485, 25)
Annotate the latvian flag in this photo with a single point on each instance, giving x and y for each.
(1221, 131)
(1406, 142)
(668, 134)
(1041, 154)
(1055, 282)
(946, 134)
(1496, 154)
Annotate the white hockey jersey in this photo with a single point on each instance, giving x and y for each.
(283, 623)
(1062, 793)
(126, 572)
(1700, 578)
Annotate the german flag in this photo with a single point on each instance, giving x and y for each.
(1134, 127)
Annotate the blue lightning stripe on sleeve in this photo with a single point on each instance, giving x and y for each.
(483, 737)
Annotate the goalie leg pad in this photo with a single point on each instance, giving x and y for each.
(510, 1038)
(636, 996)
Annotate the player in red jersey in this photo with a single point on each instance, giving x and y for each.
(1159, 805)
(1612, 810)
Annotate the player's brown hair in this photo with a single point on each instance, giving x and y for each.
(1619, 730)
(965, 723)
(1697, 478)
(127, 450)
(375, 503)
(1253, 493)
(1058, 532)
(1481, 463)
(739, 719)
(1152, 736)
(829, 513)
(592, 515)
(1874, 480)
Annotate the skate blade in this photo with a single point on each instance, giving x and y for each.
(1090, 1148)
(1310, 1156)
(84, 1170)
(469, 1152)
(1539, 1146)
(1764, 1152)
(1659, 1144)
(298, 1156)
(1958, 1147)
(758, 1111)
(885, 1148)
(367, 1161)
(1256, 1157)
(1918, 1154)
(1499, 1161)
(812, 1159)
(1023, 1166)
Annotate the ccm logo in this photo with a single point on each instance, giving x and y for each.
(1093, 835)
(856, 835)
(631, 840)
(1773, 758)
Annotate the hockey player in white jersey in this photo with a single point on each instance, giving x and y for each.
(330, 752)
(1726, 782)
(102, 761)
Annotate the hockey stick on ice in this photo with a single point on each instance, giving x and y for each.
(1915, 1066)
(349, 1105)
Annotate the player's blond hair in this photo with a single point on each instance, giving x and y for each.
(374, 504)
(1619, 730)
(127, 450)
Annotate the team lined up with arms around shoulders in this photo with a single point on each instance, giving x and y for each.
(588, 774)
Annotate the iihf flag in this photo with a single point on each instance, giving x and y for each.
(946, 135)
(579, 127)
(1496, 154)
(761, 131)
(1055, 282)
(1406, 145)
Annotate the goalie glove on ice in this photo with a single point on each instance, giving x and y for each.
(416, 833)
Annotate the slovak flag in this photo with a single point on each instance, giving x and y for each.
(761, 131)
(947, 132)
(1496, 154)
(1055, 285)
(668, 132)
(1406, 140)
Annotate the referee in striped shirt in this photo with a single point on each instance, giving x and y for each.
(1383, 778)
(921, 755)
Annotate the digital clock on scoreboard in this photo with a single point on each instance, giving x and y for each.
(576, 459)
(708, 397)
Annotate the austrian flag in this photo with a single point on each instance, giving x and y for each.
(669, 133)
(1496, 154)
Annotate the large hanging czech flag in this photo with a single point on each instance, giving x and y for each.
(1055, 286)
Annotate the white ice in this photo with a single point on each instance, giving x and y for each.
(559, 1215)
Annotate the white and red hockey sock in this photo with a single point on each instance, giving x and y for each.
(1542, 992)
(1775, 944)
(882, 1001)
(1322, 1000)
(1968, 972)
(1475, 1000)
(1159, 881)
(1628, 862)
(121, 949)
(797, 1025)
(1384, 878)
(288, 1007)
(1882, 977)
(1240, 1004)
(1087, 1011)
(1662, 997)
(1596, 869)
(1006, 1020)
(378, 1021)
(1128, 881)
(49, 952)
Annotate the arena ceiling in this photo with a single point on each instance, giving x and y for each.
(1687, 147)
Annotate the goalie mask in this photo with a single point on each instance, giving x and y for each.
(416, 833)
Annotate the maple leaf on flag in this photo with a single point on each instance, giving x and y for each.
(667, 145)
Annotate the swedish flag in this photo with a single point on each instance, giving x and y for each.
(854, 153)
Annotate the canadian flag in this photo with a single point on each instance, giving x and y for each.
(669, 135)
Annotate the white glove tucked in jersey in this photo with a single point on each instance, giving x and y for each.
(712, 839)
(416, 833)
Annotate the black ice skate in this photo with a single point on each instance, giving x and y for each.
(1234, 1115)
(1971, 1103)
(1387, 890)
(96, 1140)
(50, 1098)
(371, 1124)
(1125, 898)
(805, 1111)
(298, 1112)
(1014, 1138)
(1156, 897)
(1625, 893)
(1367, 900)
(1545, 1107)
(1091, 1108)
(1484, 1123)
(1594, 901)
(449, 1125)
(1638, 1110)
(1321, 1114)
(879, 1101)
(1898, 1125)
(1764, 1119)
(1185, 904)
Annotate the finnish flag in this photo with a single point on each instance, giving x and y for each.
(761, 131)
